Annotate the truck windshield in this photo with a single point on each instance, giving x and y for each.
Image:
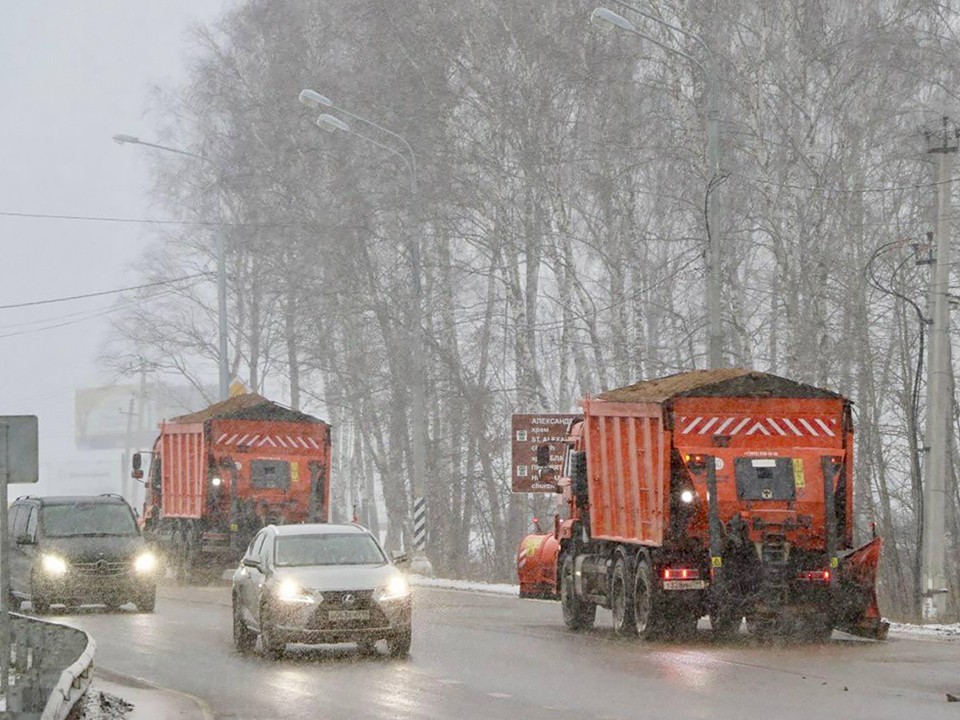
(87, 519)
(765, 478)
(327, 549)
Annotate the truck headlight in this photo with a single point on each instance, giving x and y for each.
(54, 565)
(687, 496)
(289, 590)
(145, 563)
(396, 588)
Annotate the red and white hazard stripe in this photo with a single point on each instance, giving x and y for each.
(769, 426)
(274, 441)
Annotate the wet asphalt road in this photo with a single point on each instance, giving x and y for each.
(492, 657)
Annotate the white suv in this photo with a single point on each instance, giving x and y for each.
(318, 584)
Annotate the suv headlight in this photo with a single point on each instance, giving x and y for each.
(145, 563)
(54, 565)
(289, 590)
(396, 588)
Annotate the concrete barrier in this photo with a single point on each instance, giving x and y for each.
(51, 668)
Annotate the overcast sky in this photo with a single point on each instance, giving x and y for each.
(72, 74)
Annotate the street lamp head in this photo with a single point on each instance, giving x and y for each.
(314, 99)
(121, 139)
(607, 20)
(331, 123)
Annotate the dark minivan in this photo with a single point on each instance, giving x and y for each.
(75, 550)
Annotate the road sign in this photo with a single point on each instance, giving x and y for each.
(21, 464)
(529, 433)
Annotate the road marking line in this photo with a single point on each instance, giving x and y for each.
(499, 696)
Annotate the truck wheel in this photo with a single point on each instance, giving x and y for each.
(577, 614)
(815, 629)
(725, 623)
(621, 600)
(645, 612)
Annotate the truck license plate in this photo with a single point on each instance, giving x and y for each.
(349, 615)
(684, 584)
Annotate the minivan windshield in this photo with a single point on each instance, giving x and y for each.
(87, 519)
(327, 549)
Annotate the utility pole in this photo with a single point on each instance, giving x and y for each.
(933, 582)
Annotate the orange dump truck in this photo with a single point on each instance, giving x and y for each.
(219, 475)
(725, 493)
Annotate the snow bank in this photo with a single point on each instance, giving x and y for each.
(468, 585)
(933, 632)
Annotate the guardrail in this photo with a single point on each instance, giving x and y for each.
(50, 668)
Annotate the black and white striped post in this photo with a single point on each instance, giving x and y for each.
(420, 524)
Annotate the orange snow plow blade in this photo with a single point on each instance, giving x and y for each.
(856, 594)
(537, 566)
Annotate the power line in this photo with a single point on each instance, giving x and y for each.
(147, 221)
(101, 293)
(892, 188)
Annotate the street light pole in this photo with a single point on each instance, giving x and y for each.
(223, 369)
(607, 20)
(933, 583)
(418, 382)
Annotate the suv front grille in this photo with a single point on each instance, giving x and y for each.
(101, 568)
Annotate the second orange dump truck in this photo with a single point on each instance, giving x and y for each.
(726, 493)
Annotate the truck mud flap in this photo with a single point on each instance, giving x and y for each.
(855, 594)
(537, 567)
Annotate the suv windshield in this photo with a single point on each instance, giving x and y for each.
(87, 519)
(332, 549)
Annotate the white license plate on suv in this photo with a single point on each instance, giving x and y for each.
(684, 584)
(349, 615)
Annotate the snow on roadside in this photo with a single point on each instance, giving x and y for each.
(469, 585)
(932, 632)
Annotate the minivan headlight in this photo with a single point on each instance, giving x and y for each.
(54, 565)
(396, 588)
(145, 563)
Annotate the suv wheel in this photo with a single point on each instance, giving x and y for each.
(399, 645)
(243, 637)
(147, 601)
(272, 645)
(39, 603)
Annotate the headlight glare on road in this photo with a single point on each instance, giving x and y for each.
(396, 588)
(290, 590)
(145, 563)
(54, 565)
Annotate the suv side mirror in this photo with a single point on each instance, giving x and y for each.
(251, 562)
(26, 539)
(401, 559)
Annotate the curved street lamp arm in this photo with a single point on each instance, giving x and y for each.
(408, 161)
(696, 38)
(673, 50)
(371, 123)
(178, 151)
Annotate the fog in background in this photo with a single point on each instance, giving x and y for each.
(72, 74)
